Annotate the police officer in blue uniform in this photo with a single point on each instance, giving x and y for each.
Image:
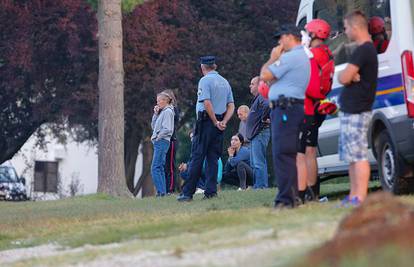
(288, 71)
(215, 106)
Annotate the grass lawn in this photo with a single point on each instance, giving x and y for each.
(236, 229)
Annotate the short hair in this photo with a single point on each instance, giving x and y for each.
(209, 66)
(244, 108)
(357, 18)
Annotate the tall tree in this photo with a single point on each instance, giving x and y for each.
(111, 169)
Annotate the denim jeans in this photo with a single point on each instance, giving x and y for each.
(258, 148)
(158, 165)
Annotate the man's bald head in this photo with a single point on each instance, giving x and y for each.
(243, 112)
(254, 85)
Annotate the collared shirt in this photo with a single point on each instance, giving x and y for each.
(215, 88)
(292, 72)
(259, 112)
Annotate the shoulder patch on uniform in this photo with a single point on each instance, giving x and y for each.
(277, 63)
(199, 92)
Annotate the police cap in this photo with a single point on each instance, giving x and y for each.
(288, 29)
(208, 60)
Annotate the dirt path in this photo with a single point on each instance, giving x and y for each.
(254, 248)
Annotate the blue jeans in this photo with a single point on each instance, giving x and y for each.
(258, 147)
(158, 165)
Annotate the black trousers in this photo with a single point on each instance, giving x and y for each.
(241, 176)
(285, 125)
(171, 176)
(207, 144)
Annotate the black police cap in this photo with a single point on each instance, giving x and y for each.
(288, 29)
(208, 60)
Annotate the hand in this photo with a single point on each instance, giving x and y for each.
(156, 109)
(276, 52)
(357, 78)
(223, 125)
(220, 125)
(230, 151)
(182, 167)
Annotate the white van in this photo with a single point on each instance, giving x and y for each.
(391, 135)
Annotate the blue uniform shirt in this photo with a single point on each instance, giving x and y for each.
(215, 88)
(292, 72)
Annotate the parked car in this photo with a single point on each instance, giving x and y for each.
(11, 186)
(391, 133)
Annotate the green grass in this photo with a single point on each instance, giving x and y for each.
(235, 219)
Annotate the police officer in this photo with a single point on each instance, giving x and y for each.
(215, 106)
(288, 71)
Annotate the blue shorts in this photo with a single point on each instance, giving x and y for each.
(353, 139)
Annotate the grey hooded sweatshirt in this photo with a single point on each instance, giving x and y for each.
(163, 124)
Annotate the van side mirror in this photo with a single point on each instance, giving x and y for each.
(23, 180)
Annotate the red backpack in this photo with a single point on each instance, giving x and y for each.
(322, 71)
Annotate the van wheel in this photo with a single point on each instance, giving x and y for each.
(388, 166)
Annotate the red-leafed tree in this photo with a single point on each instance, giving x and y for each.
(162, 43)
(48, 68)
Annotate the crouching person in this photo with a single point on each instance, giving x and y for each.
(163, 127)
(237, 170)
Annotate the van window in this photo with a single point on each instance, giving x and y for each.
(333, 11)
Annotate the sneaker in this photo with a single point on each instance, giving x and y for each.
(354, 202)
(344, 203)
(199, 191)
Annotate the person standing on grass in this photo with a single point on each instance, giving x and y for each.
(356, 100)
(318, 31)
(215, 107)
(258, 132)
(162, 125)
(170, 166)
(288, 71)
(242, 114)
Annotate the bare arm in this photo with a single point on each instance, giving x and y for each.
(209, 109)
(229, 113)
(265, 74)
(349, 75)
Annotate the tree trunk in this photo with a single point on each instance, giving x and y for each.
(145, 181)
(133, 138)
(111, 169)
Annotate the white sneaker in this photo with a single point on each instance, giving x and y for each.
(199, 191)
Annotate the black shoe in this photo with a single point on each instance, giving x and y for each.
(209, 196)
(184, 198)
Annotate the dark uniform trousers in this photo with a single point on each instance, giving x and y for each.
(207, 144)
(285, 124)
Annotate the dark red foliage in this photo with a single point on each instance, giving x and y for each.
(48, 67)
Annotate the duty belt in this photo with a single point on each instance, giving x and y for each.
(203, 115)
(284, 102)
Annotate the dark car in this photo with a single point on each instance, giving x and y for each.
(11, 186)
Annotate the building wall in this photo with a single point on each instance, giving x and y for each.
(75, 161)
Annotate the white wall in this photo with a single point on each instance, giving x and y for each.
(74, 160)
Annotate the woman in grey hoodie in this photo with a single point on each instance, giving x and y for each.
(163, 127)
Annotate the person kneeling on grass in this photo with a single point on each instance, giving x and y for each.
(237, 170)
(201, 184)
